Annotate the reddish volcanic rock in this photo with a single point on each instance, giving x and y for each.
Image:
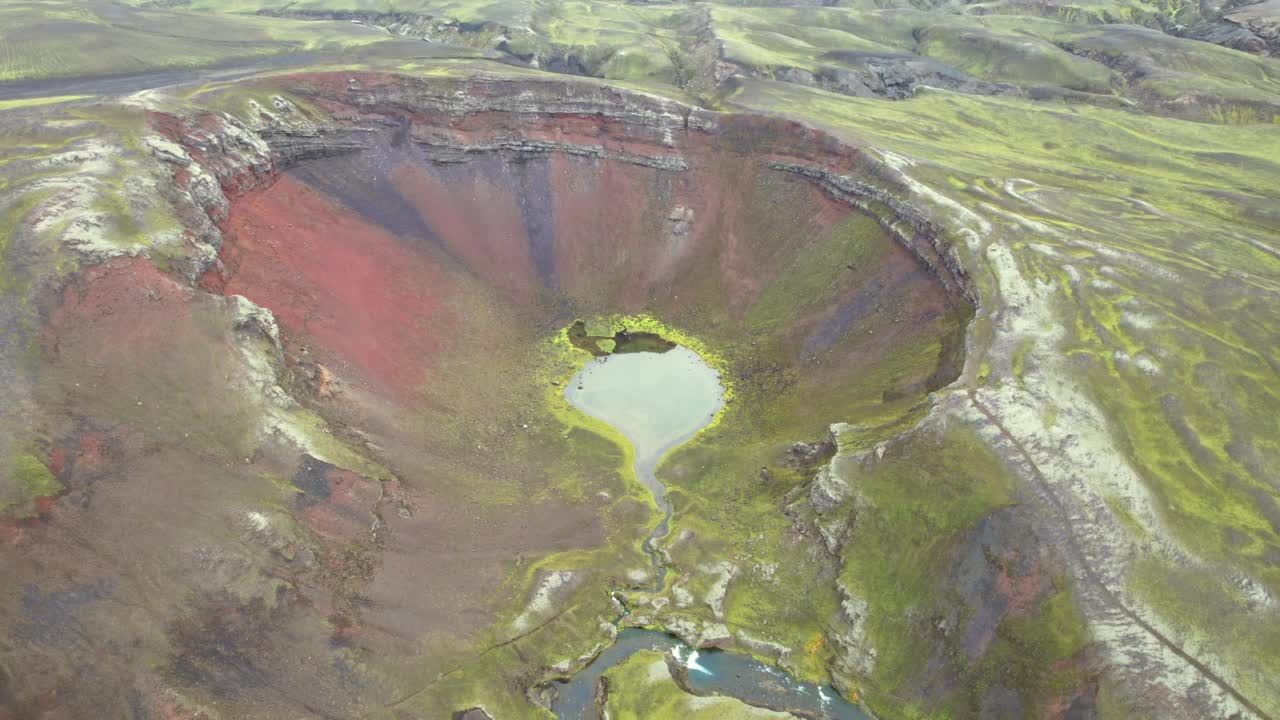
(375, 301)
(338, 504)
(493, 242)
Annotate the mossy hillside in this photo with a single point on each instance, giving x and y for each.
(768, 38)
(913, 511)
(1057, 51)
(37, 101)
(251, 7)
(1117, 206)
(614, 40)
(1139, 63)
(803, 35)
(1146, 13)
(642, 689)
(1051, 55)
(607, 40)
(1204, 61)
(1054, 636)
(734, 511)
(914, 506)
(1019, 58)
(76, 39)
(16, 272)
(810, 278)
(1204, 484)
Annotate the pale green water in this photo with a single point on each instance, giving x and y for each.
(657, 400)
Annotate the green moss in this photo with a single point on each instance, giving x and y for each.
(36, 102)
(1015, 57)
(29, 479)
(88, 42)
(1122, 512)
(914, 506)
(1020, 358)
(984, 372)
(919, 500)
(313, 433)
(816, 273)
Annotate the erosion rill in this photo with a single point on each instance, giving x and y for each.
(368, 495)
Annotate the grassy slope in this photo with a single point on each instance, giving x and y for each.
(52, 38)
(916, 505)
(1063, 48)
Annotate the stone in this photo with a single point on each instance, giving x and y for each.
(827, 491)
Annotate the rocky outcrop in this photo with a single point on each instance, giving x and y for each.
(891, 76)
(906, 222)
(828, 490)
(803, 453)
(1252, 27)
(698, 633)
(855, 656)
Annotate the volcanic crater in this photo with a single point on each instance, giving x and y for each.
(420, 244)
(382, 228)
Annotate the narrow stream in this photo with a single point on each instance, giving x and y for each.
(659, 400)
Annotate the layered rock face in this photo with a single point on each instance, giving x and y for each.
(561, 198)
